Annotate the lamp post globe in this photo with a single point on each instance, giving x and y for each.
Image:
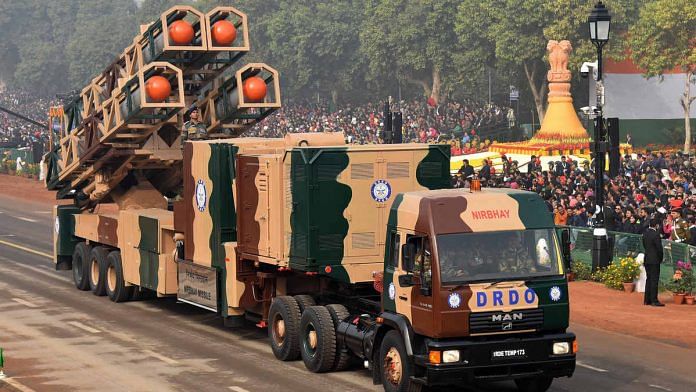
(600, 24)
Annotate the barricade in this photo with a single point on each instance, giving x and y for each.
(628, 245)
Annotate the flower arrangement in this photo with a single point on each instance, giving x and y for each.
(626, 270)
(683, 278)
(582, 271)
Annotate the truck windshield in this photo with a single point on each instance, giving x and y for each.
(466, 257)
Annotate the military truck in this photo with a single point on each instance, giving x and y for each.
(346, 254)
(343, 252)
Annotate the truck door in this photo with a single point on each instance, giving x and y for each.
(408, 289)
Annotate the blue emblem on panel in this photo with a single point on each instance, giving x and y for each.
(201, 195)
(381, 191)
(454, 300)
(555, 293)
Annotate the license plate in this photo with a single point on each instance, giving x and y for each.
(514, 353)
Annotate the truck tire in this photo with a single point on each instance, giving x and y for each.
(535, 384)
(304, 301)
(317, 339)
(80, 266)
(343, 356)
(396, 366)
(97, 270)
(283, 327)
(116, 287)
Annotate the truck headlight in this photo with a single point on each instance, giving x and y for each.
(561, 348)
(450, 356)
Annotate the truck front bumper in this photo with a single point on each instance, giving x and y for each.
(492, 360)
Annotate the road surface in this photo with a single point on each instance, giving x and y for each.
(56, 338)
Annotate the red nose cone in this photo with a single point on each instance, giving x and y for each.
(181, 32)
(254, 89)
(224, 33)
(158, 88)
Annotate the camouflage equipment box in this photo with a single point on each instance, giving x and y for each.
(323, 209)
(207, 215)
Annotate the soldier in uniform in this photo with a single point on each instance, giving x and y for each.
(680, 227)
(194, 129)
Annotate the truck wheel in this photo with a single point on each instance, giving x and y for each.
(304, 301)
(535, 384)
(97, 270)
(318, 339)
(343, 356)
(396, 366)
(80, 266)
(116, 287)
(283, 326)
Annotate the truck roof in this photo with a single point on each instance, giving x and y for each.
(450, 211)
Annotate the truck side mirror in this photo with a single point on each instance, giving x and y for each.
(408, 256)
(565, 247)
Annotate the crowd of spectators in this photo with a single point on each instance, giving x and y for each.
(15, 132)
(650, 185)
(454, 122)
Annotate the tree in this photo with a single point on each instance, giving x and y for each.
(412, 40)
(516, 32)
(103, 29)
(315, 44)
(35, 34)
(664, 38)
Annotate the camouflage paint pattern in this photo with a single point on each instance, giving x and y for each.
(461, 211)
(64, 239)
(208, 209)
(147, 248)
(100, 228)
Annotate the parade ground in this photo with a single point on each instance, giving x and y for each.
(56, 338)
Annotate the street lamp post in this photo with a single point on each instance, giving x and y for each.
(599, 23)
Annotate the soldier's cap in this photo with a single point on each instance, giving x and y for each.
(191, 109)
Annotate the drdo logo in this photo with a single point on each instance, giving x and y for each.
(392, 291)
(555, 293)
(201, 195)
(381, 191)
(454, 300)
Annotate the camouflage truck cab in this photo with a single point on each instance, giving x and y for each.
(478, 277)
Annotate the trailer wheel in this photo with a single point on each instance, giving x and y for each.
(283, 326)
(304, 301)
(116, 287)
(97, 270)
(80, 266)
(535, 384)
(343, 356)
(318, 339)
(396, 366)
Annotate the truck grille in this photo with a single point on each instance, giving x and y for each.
(497, 322)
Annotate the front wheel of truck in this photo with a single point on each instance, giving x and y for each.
(397, 367)
(535, 384)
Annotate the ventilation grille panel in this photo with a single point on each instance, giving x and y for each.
(397, 170)
(364, 240)
(362, 171)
